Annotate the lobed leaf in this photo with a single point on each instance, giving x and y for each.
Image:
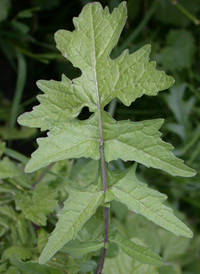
(72, 139)
(140, 142)
(36, 206)
(145, 201)
(78, 208)
(19, 252)
(127, 77)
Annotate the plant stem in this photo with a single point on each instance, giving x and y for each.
(186, 12)
(105, 216)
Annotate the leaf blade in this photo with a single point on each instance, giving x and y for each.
(80, 248)
(147, 202)
(141, 142)
(72, 217)
(138, 252)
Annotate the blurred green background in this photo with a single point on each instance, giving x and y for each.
(28, 53)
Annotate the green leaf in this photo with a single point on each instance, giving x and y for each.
(172, 269)
(20, 252)
(41, 239)
(77, 248)
(78, 208)
(84, 172)
(32, 267)
(140, 142)
(123, 263)
(22, 133)
(145, 201)
(8, 218)
(21, 226)
(12, 270)
(173, 247)
(8, 169)
(36, 206)
(179, 51)
(139, 227)
(4, 11)
(2, 148)
(142, 254)
(100, 137)
(178, 106)
(128, 77)
(8, 211)
(72, 266)
(67, 140)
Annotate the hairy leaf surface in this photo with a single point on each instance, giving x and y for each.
(145, 201)
(78, 208)
(100, 137)
(127, 77)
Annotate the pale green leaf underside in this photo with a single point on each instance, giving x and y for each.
(88, 47)
(77, 248)
(147, 202)
(37, 206)
(142, 254)
(137, 141)
(78, 208)
(127, 77)
(73, 139)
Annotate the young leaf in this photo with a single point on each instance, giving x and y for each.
(78, 208)
(35, 207)
(142, 254)
(145, 201)
(140, 142)
(100, 137)
(127, 77)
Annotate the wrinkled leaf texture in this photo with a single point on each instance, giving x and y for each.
(127, 77)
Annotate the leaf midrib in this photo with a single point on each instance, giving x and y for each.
(151, 212)
(72, 226)
(170, 165)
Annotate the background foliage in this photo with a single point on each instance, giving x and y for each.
(27, 54)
